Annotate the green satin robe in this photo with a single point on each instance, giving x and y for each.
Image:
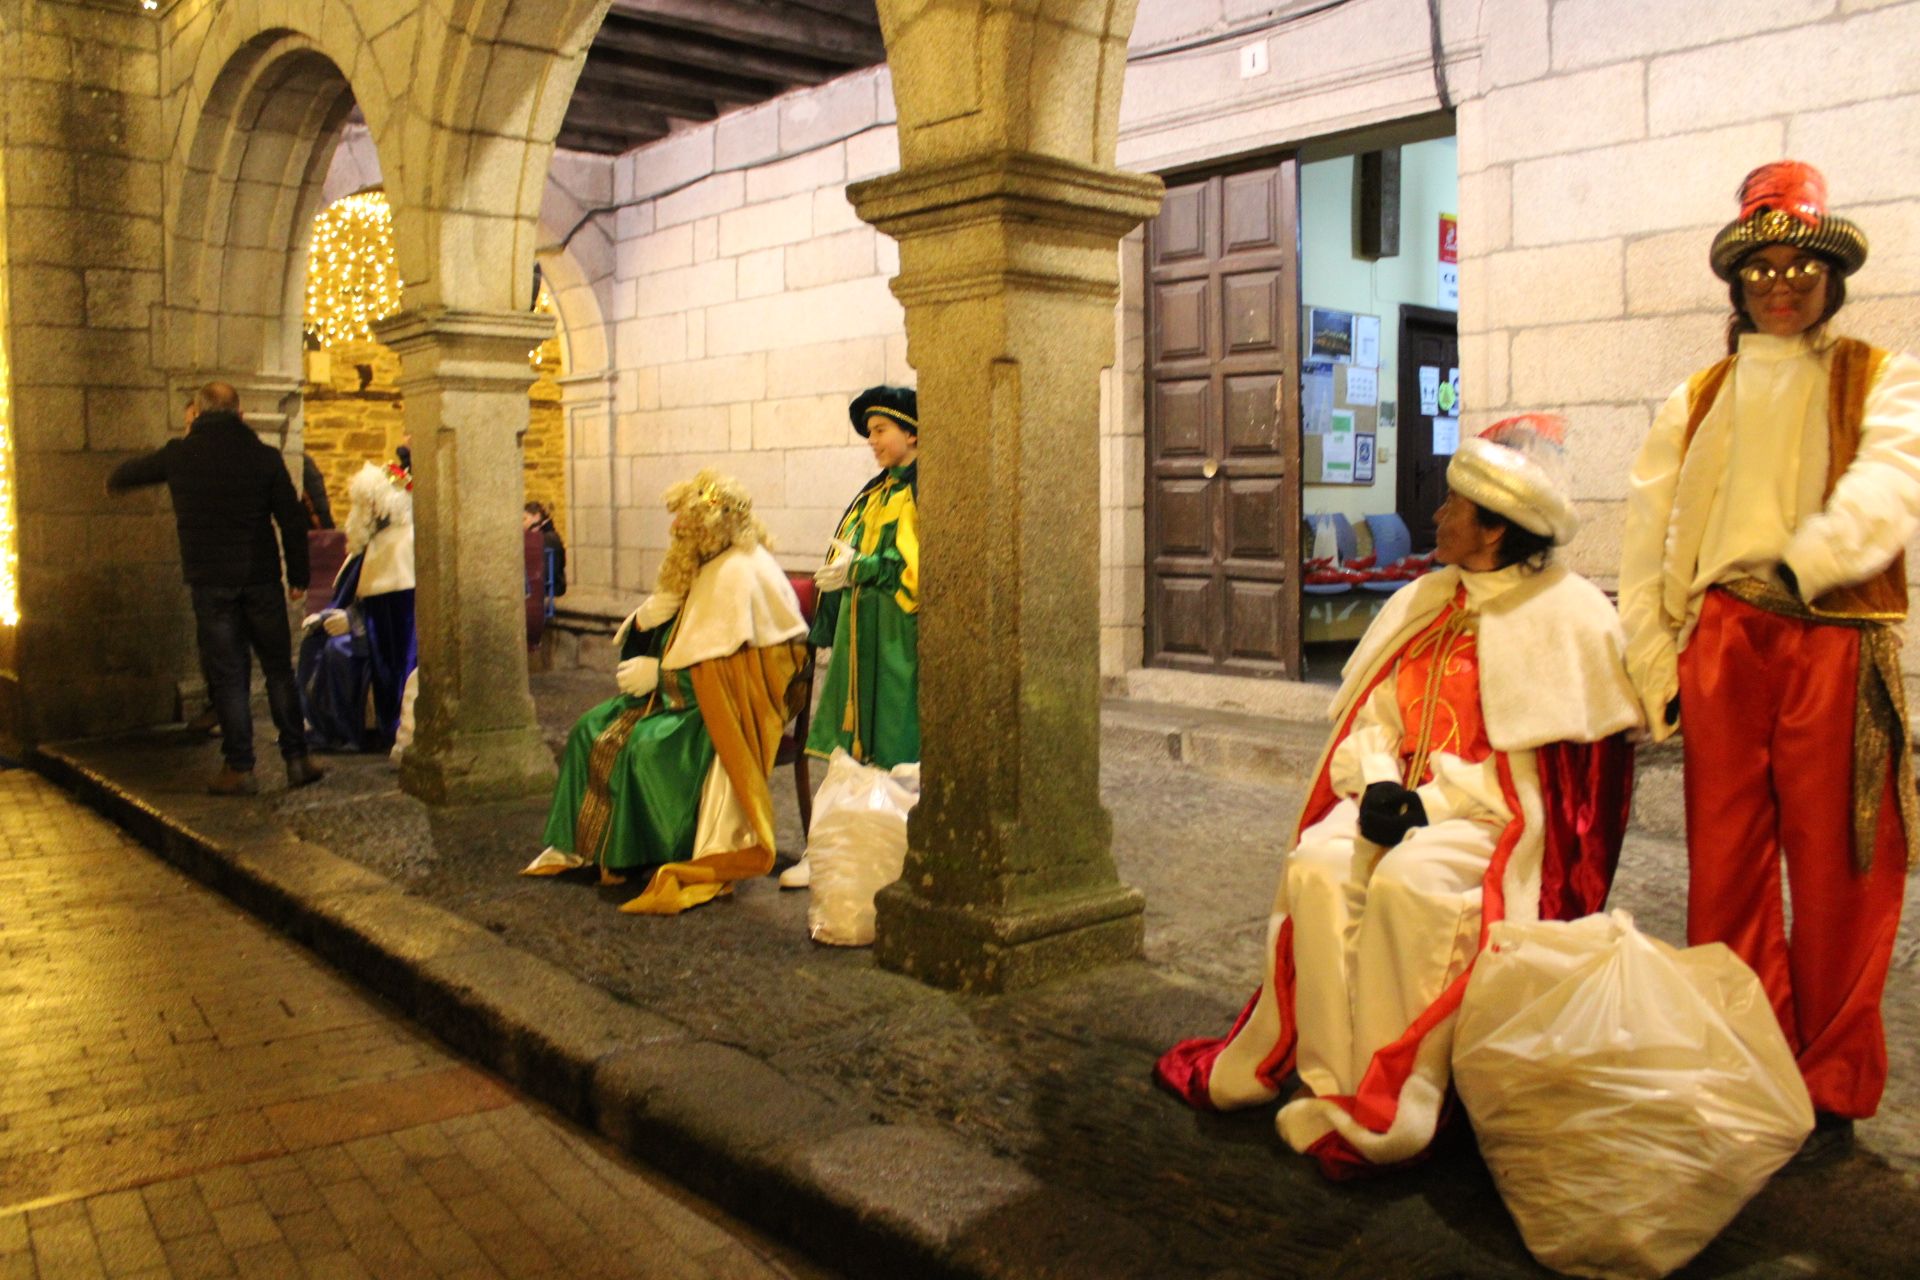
(870, 698)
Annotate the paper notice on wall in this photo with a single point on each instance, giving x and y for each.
(1363, 386)
(1336, 449)
(1429, 389)
(1316, 398)
(1366, 341)
(1446, 437)
(1446, 289)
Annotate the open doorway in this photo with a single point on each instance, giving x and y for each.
(1379, 372)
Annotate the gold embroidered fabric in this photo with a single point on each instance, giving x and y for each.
(1879, 721)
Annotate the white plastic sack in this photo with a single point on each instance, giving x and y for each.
(1629, 1097)
(857, 846)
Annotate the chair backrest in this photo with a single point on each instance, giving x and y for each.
(535, 559)
(1391, 541)
(326, 552)
(809, 593)
(1346, 545)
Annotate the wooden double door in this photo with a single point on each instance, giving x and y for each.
(1223, 424)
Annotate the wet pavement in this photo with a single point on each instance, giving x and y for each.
(1049, 1086)
(185, 1093)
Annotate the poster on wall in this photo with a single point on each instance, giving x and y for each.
(1446, 437)
(1316, 398)
(1363, 385)
(1447, 282)
(1363, 459)
(1329, 335)
(1366, 341)
(1429, 389)
(1336, 449)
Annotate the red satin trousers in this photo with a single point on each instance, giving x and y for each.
(1767, 709)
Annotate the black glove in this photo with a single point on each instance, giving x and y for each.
(1388, 811)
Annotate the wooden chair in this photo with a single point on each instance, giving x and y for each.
(793, 744)
(534, 549)
(326, 552)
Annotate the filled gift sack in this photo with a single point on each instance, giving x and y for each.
(857, 846)
(1629, 1097)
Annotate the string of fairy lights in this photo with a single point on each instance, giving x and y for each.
(9, 524)
(353, 280)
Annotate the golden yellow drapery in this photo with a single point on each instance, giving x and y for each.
(743, 703)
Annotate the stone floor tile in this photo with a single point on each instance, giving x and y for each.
(118, 1211)
(270, 1261)
(176, 1211)
(313, 1233)
(341, 1265)
(130, 1250)
(13, 1233)
(201, 1256)
(244, 1225)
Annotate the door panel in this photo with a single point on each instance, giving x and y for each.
(1182, 333)
(1183, 522)
(1223, 414)
(1187, 605)
(1251, 309)
(1253, 424)
(1255, 530)
(1183, 411)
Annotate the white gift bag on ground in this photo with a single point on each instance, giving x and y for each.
(1629, 1097)
(857, 846)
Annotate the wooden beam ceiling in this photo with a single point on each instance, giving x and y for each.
(656, 63)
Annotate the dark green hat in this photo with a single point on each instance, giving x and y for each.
(902, 404)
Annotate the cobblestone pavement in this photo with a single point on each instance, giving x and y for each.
(182, 1093)
(1056, 1079)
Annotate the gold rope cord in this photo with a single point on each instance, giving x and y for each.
(1879, 720)
(1446, 643)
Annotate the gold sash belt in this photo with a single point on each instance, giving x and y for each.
(1880, 716)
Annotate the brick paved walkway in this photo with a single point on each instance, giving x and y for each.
(184, 1093)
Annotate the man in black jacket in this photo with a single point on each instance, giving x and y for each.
(229, 489)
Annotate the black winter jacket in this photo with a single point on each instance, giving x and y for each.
(229, 487)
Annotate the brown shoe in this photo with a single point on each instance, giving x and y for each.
(207, 722)
(303, 772)
(232, 782)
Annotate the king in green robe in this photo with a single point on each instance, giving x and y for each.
(669, 777)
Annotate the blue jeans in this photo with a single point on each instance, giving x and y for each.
(234, 624)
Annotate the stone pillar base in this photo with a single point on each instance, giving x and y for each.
(507, 764)
(978, 949)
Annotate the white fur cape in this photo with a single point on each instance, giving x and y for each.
(380, 523)
(1552, 657)
(740, 599)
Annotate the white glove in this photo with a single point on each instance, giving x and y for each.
(637, 676)
(832, 576)
(335, 622)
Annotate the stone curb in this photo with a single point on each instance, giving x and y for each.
(821, 1173)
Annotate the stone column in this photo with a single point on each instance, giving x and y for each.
(1009, 275)
(465, 377)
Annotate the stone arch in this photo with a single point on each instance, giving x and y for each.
(509, 83)
(251, 157)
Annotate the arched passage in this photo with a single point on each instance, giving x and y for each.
(245, 185)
